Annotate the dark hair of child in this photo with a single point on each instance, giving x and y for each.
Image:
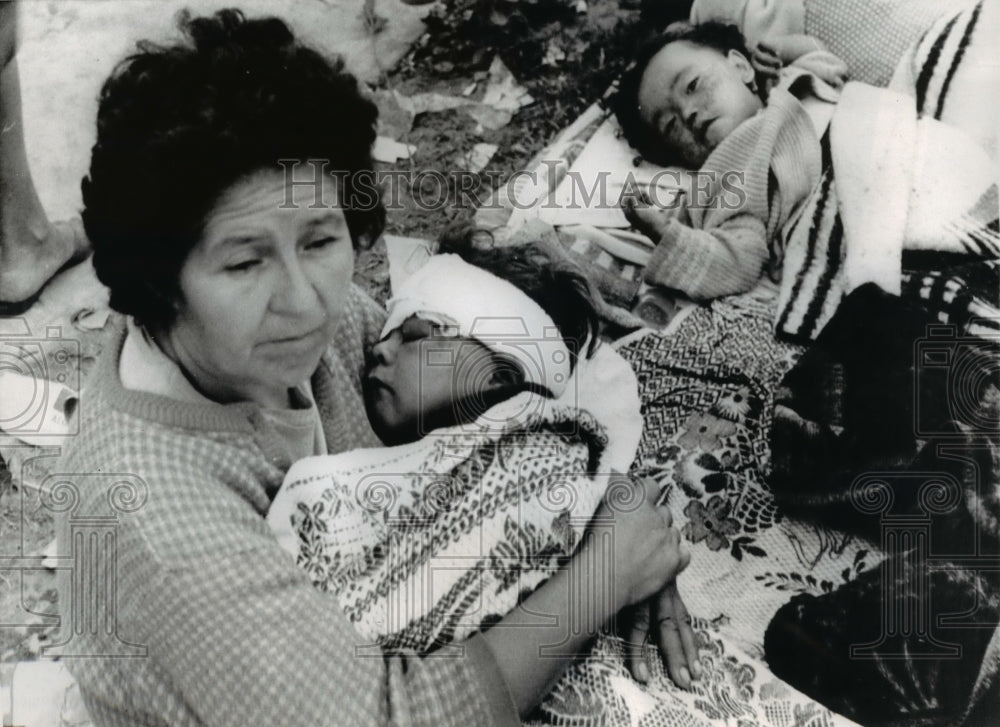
(625, 103)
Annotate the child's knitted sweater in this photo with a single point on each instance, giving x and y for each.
(234, 632)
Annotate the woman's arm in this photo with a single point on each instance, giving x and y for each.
(238, 634)
(245, 639)
(629, 553)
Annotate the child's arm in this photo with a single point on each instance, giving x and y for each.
(704, 264)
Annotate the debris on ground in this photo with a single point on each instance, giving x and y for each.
(564, 60)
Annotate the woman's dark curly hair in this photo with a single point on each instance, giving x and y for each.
(555, 283)
(625, 103)
(179, 124)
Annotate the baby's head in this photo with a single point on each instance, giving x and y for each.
(472, 328)
(689, 88)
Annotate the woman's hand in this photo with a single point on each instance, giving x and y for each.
(646, 551)
(672, 633)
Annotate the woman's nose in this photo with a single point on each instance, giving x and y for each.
(296, 292)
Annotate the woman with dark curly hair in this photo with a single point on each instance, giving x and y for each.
(226, 195)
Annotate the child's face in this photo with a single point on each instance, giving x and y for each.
(420, 379)
(694, 97)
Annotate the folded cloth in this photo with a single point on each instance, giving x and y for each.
(878, 650)
(878, 392)
(887, 426)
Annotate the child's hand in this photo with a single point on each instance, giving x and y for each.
(646, 553)
(649, 220)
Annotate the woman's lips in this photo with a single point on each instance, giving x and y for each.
(296, 344)
(296, 337)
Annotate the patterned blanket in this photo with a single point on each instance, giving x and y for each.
(426, 543)
(485, 514)
(706, 386)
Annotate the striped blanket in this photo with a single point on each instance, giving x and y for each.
(904, 172)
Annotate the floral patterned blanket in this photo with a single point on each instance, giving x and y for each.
(706, 385)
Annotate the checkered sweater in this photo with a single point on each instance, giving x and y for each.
(234, 633)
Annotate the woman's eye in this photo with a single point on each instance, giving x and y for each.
(242, 267)
(321, 243)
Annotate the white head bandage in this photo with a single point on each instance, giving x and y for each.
(450, 292)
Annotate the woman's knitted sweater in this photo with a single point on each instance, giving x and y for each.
(228, 630)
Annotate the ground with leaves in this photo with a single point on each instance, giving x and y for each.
(563, 57)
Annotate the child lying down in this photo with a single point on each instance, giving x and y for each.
(497, 469)
(693, 98)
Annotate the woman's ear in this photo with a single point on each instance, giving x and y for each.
(742, 64)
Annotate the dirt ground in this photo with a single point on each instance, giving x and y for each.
(564, 54)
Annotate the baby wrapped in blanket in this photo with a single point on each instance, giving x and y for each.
(505, 417)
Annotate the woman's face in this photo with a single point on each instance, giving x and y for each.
(693, 97)
(421, 377)
(263, 290)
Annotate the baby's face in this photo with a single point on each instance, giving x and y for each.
(694, 97)
(420, 378)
